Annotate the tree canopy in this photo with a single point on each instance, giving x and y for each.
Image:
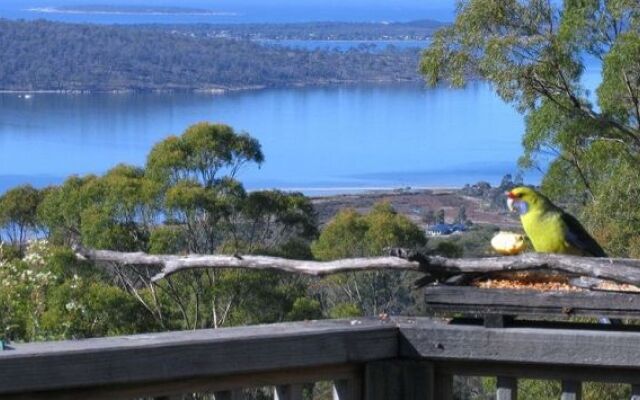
(18, 213)
(187, 199)
(534, 54)
(351, 234)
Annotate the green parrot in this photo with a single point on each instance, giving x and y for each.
(550, 229)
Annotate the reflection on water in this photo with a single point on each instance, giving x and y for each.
(372, 135)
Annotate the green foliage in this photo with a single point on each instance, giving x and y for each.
(189, 181)
(295, 249)
(343, 237)
(533, 53)
(63, 263)
(113, 211)
(475, 242)
(619, 93)
(212, 299)
(250, 290)
(65, 208)
(448, 249)
(186, 200)
(531, 389)
(81, 308)
(278, 223)
(167, 240)
(304, 309)
(201, 153)
(62, 206)
(387, 228)
(614, 216)
(18, 214)
(196, 173)
(36, 56)
(351, 234)
(345, 310)
(40, 299)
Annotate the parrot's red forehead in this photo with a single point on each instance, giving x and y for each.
(511, 195)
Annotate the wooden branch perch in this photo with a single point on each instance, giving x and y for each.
(171, 263)
(617, 270)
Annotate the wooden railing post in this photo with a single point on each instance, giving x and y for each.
(398, 380)
(228, 395)
(507, 388)
(288, 392)
(571, 390)
(442, 386)
(635, 392)
(346, 389)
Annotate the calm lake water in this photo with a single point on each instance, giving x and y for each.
(237, 11)
(316, 139)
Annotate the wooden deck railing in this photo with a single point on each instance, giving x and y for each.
(396, 359)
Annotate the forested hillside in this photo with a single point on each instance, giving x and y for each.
(45, 55)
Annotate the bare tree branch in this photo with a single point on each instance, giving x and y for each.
(171, 263)
(617, 270)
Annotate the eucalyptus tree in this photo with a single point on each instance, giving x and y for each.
(351, 234)
(534, 54)
(18, 214)
(188, 200)
(115, 211)
(197, 172)
(125, 212)
(60, 212)
(276, 222)
(207, 210)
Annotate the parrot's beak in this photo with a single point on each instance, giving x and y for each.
(510, 201)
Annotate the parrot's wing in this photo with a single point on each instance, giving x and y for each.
(578, 237)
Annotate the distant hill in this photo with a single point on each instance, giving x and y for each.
(43, 55)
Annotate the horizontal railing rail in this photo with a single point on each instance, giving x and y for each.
(233, 356)
(398, 358)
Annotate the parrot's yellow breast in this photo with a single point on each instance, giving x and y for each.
(547, 231)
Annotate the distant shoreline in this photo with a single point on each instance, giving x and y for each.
(131, 11)
(40, 181)
(323, 192)
(120, 91)
(213, 91)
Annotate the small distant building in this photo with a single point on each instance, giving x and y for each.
(445, 229)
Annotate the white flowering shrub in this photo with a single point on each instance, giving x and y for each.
(23, 287)
(46, 294)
